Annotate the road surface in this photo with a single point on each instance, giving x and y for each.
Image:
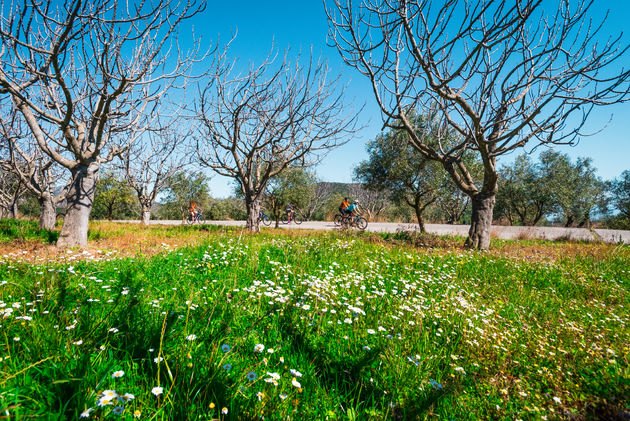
(548, 233)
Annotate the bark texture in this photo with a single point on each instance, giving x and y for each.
(14, 210)
(146, 215)
(80, 198)
(47, 212)
(481, 221)
(420, 219)
(253, 209)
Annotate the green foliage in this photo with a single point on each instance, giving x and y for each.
(576, 189)
(114, 198)
(526, 195)
(620, 200)
(394, 167)
(374, 331)
(183, 189)
(293, 185)
(29, 205)
(331, 207)
(228, 208)
(531, 192)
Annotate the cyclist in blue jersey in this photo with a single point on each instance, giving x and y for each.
(354, 206)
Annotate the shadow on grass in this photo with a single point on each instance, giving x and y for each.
(345, 375)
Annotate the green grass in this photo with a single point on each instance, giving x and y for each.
(376, 331)
(11, 230)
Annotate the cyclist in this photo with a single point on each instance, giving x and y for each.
(353, 207)
(344, 205)
(193, 210)
(290, 210)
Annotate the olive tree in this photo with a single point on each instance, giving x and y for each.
(79, 73)
(396, 168)
(501, 74)
(294, 185)
(527, 194)
(620, 199)
(576, 189)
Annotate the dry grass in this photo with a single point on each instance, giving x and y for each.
(109, 239)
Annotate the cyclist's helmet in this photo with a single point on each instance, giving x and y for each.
(356, 202)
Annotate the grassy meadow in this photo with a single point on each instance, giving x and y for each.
(212, 323)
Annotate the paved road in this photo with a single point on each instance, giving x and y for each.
(549, 233)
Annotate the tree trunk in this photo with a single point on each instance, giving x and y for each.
(419, 210)
(419, 207)
(80, 198)
(110, 210)
(481, 221)
(146, 214)
(14, 210)
(253, 209)
(47, 212)
(13, 207)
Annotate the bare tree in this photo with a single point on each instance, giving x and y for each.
(372, 202)
(11, 190)
(501, 74)
(151, 163)
(80, 73)
(36, 171)
(320, 194)
(255, 125)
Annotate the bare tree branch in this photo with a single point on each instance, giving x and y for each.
(82, 73)
(276, 114)
(501, 74)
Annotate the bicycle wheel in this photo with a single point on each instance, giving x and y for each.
(189, 220)
(285, 219)
(337, 219)
(297, 219)
(361, 222)
(266, 221)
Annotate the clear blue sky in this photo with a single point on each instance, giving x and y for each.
(302, 25)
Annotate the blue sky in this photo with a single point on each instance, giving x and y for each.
(302, 25)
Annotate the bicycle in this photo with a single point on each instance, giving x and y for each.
(337, 219)
(294, 218)
(354, 221)
(197, 218)
(262, 217)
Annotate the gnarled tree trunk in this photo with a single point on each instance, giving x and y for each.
(47, 212)
(481, 220)
(14, 209)
(420, 219)
(146, 214)
(419, 207)
(80, 198)
(253, 209)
